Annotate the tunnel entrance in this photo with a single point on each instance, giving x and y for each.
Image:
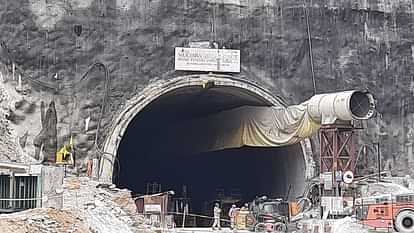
(238, 174)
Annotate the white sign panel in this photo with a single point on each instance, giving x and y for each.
(333, 205)
(231, 2)
(216, 60)
(152, 208)
(327, 180)
(326, 201)
(337, 205)
(35, 169)
(200, 44)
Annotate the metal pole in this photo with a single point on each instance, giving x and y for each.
(12, 190)
(310, 46)
(163, 212)
(185, 212)
(379, 161)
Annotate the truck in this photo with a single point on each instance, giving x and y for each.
(387, 212)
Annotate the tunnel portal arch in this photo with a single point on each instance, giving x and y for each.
(160, 88)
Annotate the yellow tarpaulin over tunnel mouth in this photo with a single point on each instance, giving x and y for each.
(256, 126)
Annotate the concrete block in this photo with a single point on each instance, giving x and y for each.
(52, 181)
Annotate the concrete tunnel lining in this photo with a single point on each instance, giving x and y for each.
(162, 90)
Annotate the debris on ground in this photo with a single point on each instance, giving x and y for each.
(105, 207)
(343, 225)
(382, 188)
(43, 220)
(88, 207)
(347, 225)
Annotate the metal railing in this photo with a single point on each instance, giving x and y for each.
(19, 193)
(4, 192)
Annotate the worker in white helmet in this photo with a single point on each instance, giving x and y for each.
(232, 215)
(217, 212)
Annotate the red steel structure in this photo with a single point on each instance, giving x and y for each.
(337, 149)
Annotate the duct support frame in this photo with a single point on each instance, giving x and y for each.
(337, 155)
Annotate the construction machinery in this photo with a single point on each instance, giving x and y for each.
(387, 212)
(65, 155)
(268, 215)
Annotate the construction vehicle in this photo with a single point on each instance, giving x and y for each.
(386, 212)
(65, 155)
(268, 215)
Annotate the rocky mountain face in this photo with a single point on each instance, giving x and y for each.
(49, 46)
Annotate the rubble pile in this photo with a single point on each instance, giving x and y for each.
(88, 207)
(104, 207)
(343, 225)
(347, 225)
(382, 188)
(42, 221)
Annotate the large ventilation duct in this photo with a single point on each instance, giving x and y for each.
(274, 126)
(341, 106)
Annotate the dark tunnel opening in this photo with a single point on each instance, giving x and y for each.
(240, 174)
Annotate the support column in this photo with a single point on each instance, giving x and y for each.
(337, 152)
(409, 147)
(410, 155)
(12, 190)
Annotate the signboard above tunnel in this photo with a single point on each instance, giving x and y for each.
(215, 60)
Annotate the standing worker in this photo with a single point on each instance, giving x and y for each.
(217, 212)
(406, 181)
(232, 215)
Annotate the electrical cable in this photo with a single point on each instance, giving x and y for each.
(305, 9)
(23, 73)
(102, 111)
(198, 215)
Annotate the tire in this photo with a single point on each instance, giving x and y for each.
(404, 222)
(280, 227)
(260, 227)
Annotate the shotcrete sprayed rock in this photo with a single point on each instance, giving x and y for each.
(46, 140)
(134, 38)
(7, 144)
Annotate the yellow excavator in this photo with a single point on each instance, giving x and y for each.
(66, 155)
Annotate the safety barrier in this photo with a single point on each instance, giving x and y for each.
(19, 193)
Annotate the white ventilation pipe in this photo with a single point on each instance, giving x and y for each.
(341, 106)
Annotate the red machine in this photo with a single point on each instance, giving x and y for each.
(387, 212)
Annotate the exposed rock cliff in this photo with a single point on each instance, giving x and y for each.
(364, 44)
